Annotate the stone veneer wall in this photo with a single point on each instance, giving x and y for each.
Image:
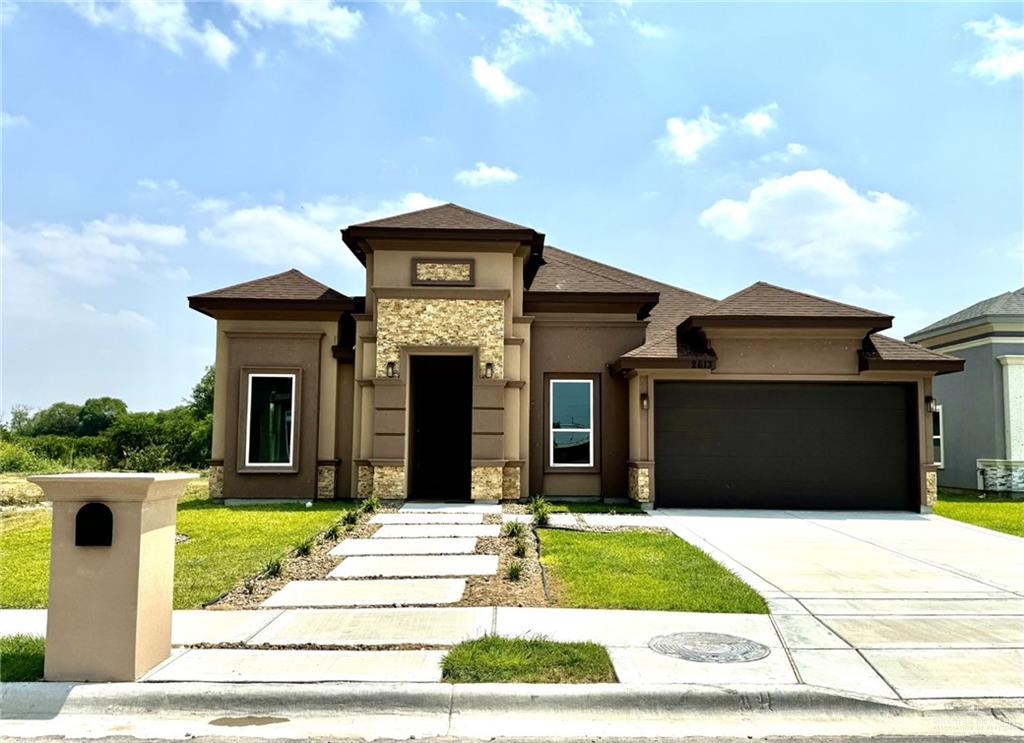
(1001, 475)
(487, 483)
(511, 475)
(216, 481)
(389, 482)
(364, 481)
(443, 271)
(325, 477)
(931, 488)
(640, 484)
(441, 322)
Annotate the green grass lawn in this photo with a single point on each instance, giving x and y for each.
(640, 570)
(534, 660)
(21, 658)
(593, 507)
(998, 513)
(225, 545)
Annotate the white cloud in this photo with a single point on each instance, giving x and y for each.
(320, 22)
(649, 30)
(12, 121)
(120, 228)
(542, 24)
(685, 139)
(484, 175)
(413, 10)
(168, 23)
(793, 150)
(308, 236)
(204, 206)
(83, 256)
(494, 82)
(1002, 55)
(814, 219)
(761, 120)
(796, 149)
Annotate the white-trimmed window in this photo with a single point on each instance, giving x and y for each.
(571, 435)
(270, 430)
(938, 447)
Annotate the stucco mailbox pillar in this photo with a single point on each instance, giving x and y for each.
(111, 573)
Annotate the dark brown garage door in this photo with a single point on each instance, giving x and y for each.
(784, 445)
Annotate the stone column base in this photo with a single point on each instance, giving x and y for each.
(216, 480)
(1001, 475)
(487, 482)
(386, 481)
(511, 482)
(326, 479)
(931, 488)
(640, 482)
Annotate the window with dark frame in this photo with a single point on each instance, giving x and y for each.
(270, 433)
(571, 435)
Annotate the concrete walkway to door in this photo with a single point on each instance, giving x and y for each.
(934, 606)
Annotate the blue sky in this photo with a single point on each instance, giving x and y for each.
(871, 153)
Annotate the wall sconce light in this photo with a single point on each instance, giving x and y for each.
(488, 370)
(930, 405)
(645, 401)
(391, 370)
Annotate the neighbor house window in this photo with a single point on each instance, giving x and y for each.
(937, 443)
(572, 423)
(270, 429)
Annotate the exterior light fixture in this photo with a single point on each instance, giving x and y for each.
(930, 405)
(391, 370)
(645, 401)
(488, 370)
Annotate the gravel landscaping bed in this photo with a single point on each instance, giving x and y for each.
(498, 590)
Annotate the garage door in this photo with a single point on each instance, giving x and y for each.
(784, 445)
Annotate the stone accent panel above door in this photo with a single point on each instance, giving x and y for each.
(441, 322)
(442, 272)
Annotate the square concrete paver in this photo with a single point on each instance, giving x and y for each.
(563, 520)
(805, 631)
(615, 520)
(635, 665)
(368, 592)
(451, 507)
(437, 546)
(844, 670)
(430, 531)
(195, 626)
(377, 626)
(945, 674)
(916, 607)
(415, 566)
(930, 632)
(427, 517)
(522, 518)
(302, 666)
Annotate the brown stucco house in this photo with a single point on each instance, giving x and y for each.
(483, 364)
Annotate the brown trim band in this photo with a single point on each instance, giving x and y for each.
(356, 237)
(210, 305)
(874, 322)
(638, 303)
(939, 366)
(430, 292)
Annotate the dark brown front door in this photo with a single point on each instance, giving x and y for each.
(797, 445)
(441, 419)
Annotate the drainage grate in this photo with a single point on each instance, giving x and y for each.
(708, 647)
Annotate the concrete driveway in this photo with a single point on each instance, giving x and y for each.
(932, 606)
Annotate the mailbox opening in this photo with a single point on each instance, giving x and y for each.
(94, 526)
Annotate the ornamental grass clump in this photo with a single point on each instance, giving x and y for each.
(273, 568)
(514, 571)
(519, 548)
(370, 505)
(512, 529)
(305, 547)
(351, 518)
(541, 510)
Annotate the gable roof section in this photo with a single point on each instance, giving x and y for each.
(444, 217)
(290, 289)
(1007, 304)
(766, 305)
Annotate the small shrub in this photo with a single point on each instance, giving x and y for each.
(333, 531)
(514, 571)
(15, 457)
(273, 568)
(537, 502)
(541, 515)
(351, 518)
(151, 458)
(512, 529)
(519, 548)
(304, 548)
(370, 505)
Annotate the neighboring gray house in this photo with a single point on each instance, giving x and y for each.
(979, 423)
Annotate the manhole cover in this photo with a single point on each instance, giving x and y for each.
(708, 647)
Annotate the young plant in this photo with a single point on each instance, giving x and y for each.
(514, 571)
(370, 505)
(351, 518)
(302, 549)
(333, 531)
(273, 568)
(541, 514)
(519, 548)
(512, 529)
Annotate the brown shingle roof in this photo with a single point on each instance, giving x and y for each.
(291, 285)
(767, 300)
(444, 217)
(883, 352)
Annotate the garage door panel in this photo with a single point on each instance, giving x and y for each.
(783, 445)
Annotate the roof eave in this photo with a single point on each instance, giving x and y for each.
(936, 331)
(355, 237)
(211, 305)
(635, 303)
(871, 324)
(938, 366)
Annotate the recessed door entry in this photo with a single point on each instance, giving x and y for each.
(440, 423)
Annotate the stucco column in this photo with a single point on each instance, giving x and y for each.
(111, 573)
(1013, 405)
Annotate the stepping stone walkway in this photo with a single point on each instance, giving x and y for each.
(418, 556)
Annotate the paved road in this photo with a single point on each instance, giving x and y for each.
(933, 606)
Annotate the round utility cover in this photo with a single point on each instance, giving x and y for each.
(708, 647)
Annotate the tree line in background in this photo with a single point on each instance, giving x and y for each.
(102, 433)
